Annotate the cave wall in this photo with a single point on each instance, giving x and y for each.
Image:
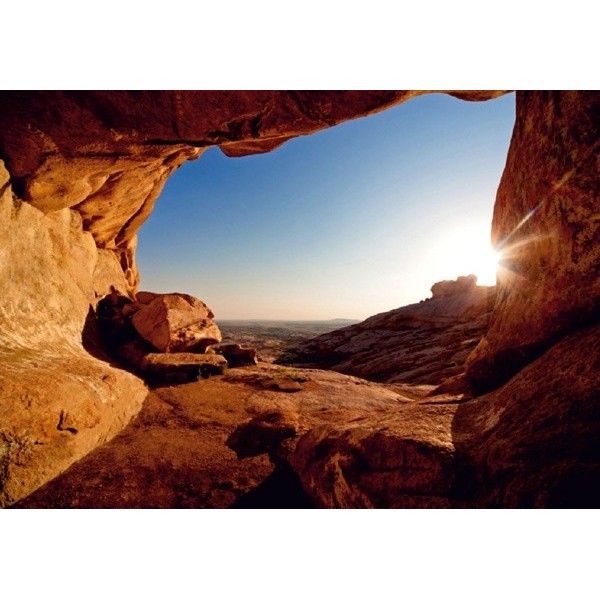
(57, 400)
(547, 225)
(83, 170)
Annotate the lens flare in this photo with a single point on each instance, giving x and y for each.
(466, 250)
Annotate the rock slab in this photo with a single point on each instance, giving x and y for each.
(176, 323)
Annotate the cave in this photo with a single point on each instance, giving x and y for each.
(80, 173)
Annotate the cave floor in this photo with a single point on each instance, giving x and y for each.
(173, 454)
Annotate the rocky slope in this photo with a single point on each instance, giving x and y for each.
(424, 343)
(531, 443)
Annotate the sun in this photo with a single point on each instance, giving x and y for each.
(466, 249)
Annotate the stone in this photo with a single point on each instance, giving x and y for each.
(182, 366)
(146, 297)
(236, 355)
(174, 367)
(546, 228)
(400, 460)
(531, 443)
(174, 453)
(264, 433)
(59, 395)
(461, 285)
(535, 439)
(357, 444)
(176, 323)
(423, 343)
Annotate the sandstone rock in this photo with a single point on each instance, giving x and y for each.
(535, 441)
(531, 443)
(108, 276)
(422, 343)
(400, 461)
(57, 401)
(176, 323)
(236, 355)
(354, 443)
(175, 367)
(174, 454)
(106, 156)
(461, 285)
(545, 226)
(146, 297)
(263, 434)
(182, 366)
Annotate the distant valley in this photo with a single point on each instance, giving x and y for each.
(274, 338)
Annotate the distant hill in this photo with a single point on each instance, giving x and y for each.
(346, 321)
(290, 322)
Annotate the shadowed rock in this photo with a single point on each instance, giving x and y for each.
(236, 355)
(263, 434)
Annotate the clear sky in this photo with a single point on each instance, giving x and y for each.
(348, 222)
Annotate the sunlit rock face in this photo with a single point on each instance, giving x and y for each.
(547, 228)
(57, 399)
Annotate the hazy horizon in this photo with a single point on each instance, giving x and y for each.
(348, 222)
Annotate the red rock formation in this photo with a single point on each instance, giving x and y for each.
(531, 443)
(176, 323)
(423, 343)
(59, 396)
(546, 225)
(444, 289)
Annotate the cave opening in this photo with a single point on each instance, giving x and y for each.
(345, 223)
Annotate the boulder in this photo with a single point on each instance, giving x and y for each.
(460, 285)
(146, 297)
(182, 366)
(176, 323)
(236, 355)
(173, 367)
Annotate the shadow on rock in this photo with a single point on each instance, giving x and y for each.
(280, 490)
(534, 441)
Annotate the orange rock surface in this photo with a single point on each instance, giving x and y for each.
(423, 343)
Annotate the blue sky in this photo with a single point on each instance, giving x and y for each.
(348, 222)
